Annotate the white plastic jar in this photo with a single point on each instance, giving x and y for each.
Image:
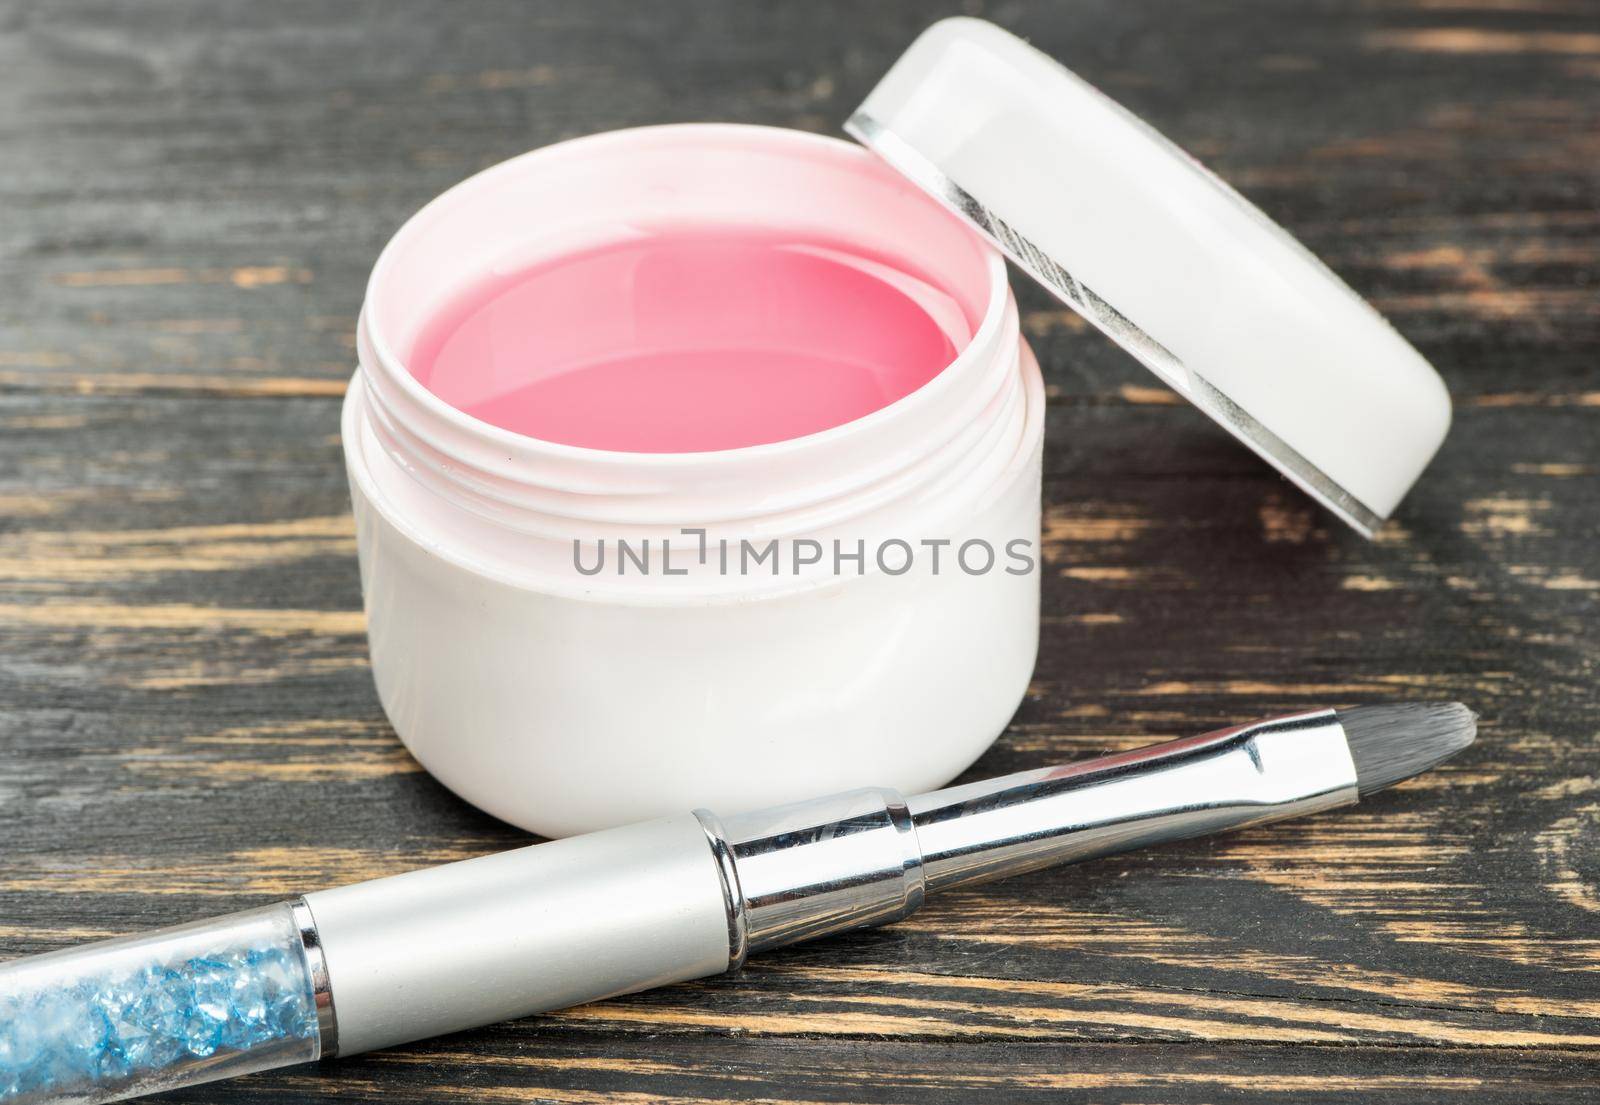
(565, 699)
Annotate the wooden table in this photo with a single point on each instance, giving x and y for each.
(190, 197)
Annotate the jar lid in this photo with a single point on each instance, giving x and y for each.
(1160, 254)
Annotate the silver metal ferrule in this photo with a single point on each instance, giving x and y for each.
(1284, 767)
(812, 868)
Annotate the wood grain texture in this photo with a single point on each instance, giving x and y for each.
(190, 197)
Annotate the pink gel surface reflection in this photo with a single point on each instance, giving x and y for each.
(691, 339)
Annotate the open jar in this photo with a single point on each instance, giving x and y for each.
(570, 636)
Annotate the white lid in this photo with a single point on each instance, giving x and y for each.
(1177, 267)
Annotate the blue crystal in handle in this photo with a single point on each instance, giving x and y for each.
(126, 1017)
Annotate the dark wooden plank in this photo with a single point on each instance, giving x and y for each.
(190, 197)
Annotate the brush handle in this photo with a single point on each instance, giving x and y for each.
(539, 928)
(365, 966)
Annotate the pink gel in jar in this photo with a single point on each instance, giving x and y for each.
(690, 339)
(673, 335)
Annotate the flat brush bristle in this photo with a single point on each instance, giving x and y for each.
(1391, 743)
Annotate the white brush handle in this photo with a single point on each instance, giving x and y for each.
(539, 928)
